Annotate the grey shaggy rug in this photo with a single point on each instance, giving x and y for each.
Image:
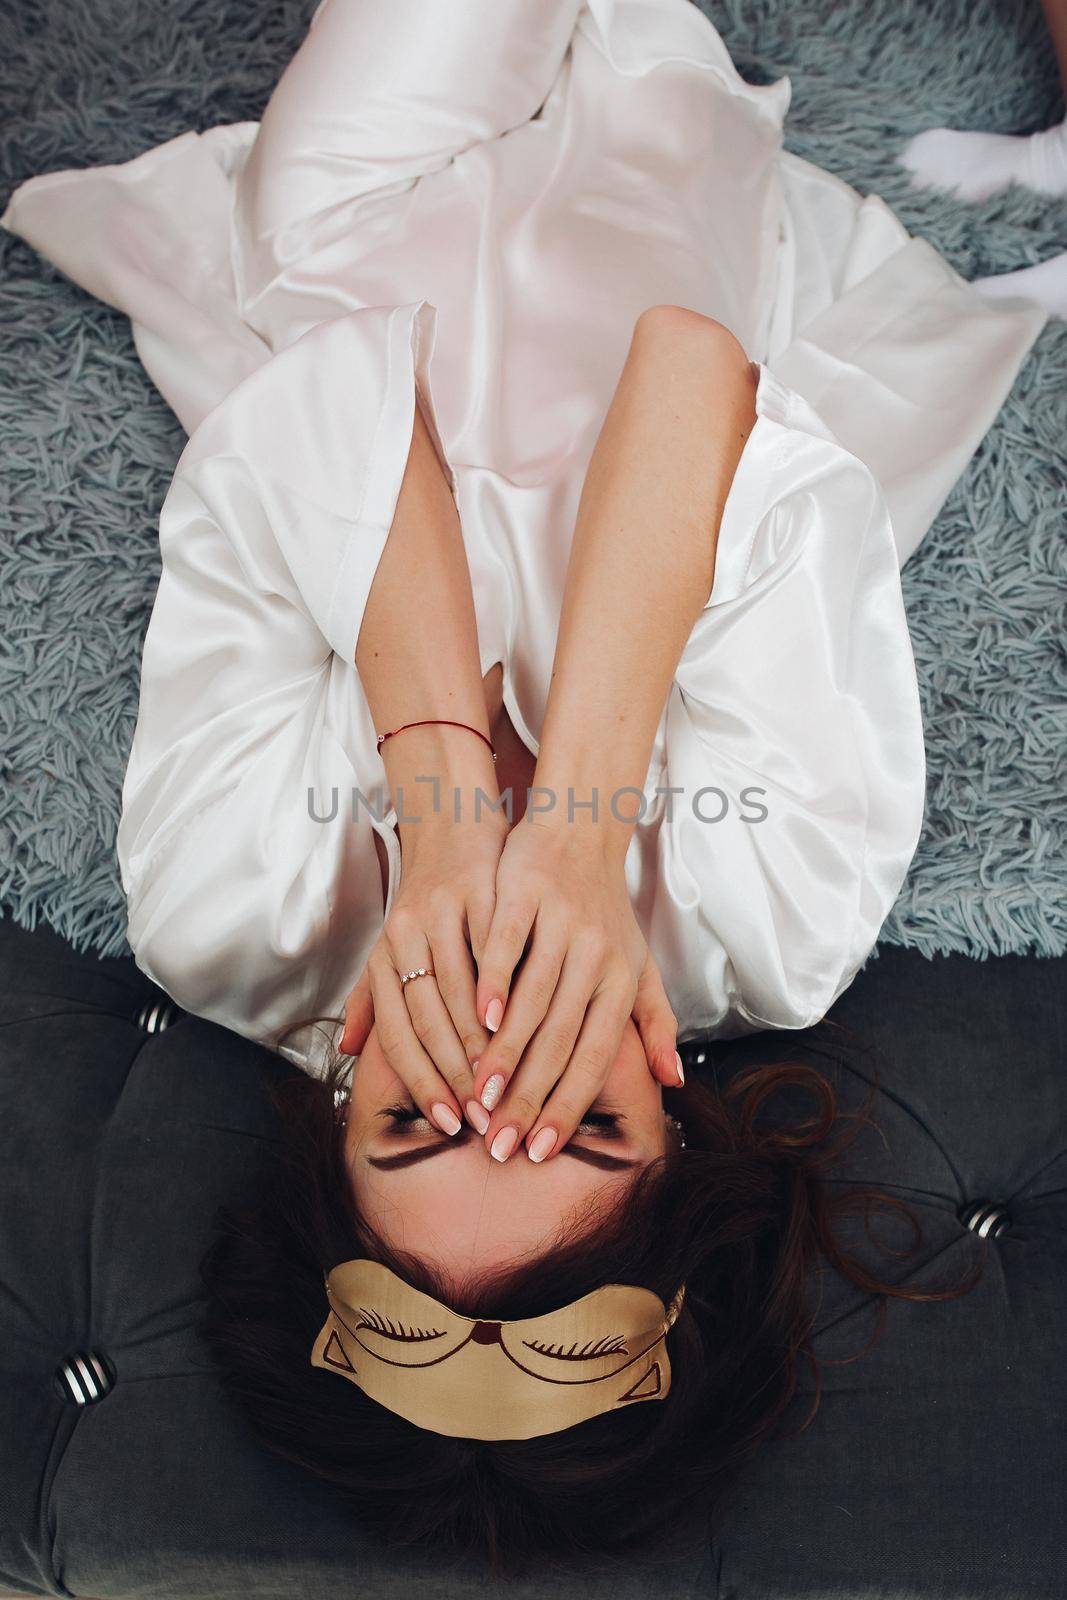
(87, 446)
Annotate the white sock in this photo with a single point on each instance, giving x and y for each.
(1046, 283)
(976, 165)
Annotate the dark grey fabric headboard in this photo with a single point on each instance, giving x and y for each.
(936, 1466)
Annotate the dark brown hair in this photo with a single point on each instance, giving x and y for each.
(742, 1215)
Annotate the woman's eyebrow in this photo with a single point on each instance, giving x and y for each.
(426, 1152)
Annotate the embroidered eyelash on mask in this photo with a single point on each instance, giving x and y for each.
(613, 1345)
(395, 1330)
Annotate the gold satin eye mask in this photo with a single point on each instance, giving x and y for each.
(484, 1379)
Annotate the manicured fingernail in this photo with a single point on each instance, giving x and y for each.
(445, 1118)
(494, 1015)
(478, 1119)
(679, 1068)
(493, 1090)
(542, 1144)
(504, 1144)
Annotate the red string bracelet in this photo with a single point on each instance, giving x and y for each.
(437, 722)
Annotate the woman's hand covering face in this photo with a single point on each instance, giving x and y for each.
(481, 892)
(559, 1016)
(428, 1029)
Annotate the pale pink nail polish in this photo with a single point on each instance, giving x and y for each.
(445, 1118)
(679, 1068)
(494, 1015)
(542, 1144)
(476, 1116)
(504, 1144)
(494, 1088)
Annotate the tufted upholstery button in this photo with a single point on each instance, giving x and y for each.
(157, 1015)
(986, 1218)
(85, 1378)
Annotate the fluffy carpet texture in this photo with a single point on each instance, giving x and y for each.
(87, 446)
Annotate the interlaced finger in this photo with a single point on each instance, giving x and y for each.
(404, 1051)
(454, 968)
(508, 932)
(528, 1005)
(585, 1075)
(436, 1031)
(543, 1062)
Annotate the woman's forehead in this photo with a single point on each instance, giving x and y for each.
(484, 1216)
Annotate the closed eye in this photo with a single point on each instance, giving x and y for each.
(395, 1330)
(405, 1120)
(613, 1345)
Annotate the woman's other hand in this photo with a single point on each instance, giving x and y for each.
(662, 464)
(428, 1028)
(558, 1018)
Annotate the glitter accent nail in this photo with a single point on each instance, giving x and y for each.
(493, 1090)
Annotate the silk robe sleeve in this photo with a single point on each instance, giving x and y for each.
(246, 897)
(382, 92)
(793, 738)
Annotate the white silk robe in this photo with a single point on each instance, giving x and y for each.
(476, 202)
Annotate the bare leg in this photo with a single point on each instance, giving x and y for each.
(975, 165)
